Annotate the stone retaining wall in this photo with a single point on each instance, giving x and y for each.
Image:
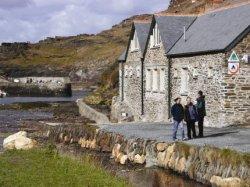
(208, 165)
(91, 113)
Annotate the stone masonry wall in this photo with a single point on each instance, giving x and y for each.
(205, 164)
(210, 85)
(156, 102)
(130, 73)
(227, 96)
(236, 89)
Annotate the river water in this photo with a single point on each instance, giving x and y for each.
(142, 177)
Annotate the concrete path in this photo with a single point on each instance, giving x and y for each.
(236, 138)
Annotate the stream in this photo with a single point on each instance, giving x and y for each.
(138, 176)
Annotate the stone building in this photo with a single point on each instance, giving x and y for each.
(185, 54)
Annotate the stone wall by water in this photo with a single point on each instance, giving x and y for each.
(208, 165)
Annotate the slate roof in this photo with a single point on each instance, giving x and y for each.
(216, 31)
(171, 28)
(142, 30)
(123, 56)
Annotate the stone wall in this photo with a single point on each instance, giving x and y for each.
(129, 103)
(156, 102)
(209, 84)
(236, 89)
(205, 164)
(227, 96)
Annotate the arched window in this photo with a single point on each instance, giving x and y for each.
(155, 80)
(184, 81)
(148, 80)
(138, 71)
(155, 38)
(162, 79)
(210, 72)
(126, 69)
(131, 72)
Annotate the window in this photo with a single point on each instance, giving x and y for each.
(135, 43)
(148, 79)
(155, 38)
(195, 73)
(175, 74)
(126, 71)
(162, 79)
(138, 71)
(210, 72)
(130, 72)
(155, 80)
(184, 81)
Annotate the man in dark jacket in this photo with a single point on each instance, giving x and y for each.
(177, 112)
(191, 117)
(201, 110)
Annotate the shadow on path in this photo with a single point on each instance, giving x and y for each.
(220, 134)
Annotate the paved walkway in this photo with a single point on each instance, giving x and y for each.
(236, 138)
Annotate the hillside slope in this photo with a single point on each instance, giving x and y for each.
(87, 58)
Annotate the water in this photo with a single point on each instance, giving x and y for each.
(75, 95)
(138, 177)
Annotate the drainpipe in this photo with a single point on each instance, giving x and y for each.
(142, 86)
(169, 85)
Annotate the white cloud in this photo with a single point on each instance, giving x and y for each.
(32, 20)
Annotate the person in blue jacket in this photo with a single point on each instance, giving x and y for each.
(191, 116)
(177, 112)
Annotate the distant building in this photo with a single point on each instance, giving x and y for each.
(180, 55)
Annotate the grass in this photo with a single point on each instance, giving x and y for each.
(44, 167)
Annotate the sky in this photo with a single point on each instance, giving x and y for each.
(33, 20)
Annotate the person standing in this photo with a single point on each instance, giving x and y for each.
(191, 117)
(201, 110)
(177, 112)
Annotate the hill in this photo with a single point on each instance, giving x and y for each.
(85, 58)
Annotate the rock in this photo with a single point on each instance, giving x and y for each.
(116, 150)
(123, 159)
(19, 141)
(225, 182)
(139, 159)
(161, 147)
(181, 165)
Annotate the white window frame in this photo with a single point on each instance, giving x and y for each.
(138, 71)
(184, 81)
(149, 75)
(131, 72)
(210, 72)
(126, 71)
(195, 73)
(155, 86)
(155, 38)
(162, 79)
(135, 43)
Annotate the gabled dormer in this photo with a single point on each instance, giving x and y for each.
(155, 38)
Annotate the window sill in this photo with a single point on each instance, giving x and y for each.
(134, 51)
(155, 47)
(184, 94)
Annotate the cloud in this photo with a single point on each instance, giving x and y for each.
(7, 4)
(32, 20)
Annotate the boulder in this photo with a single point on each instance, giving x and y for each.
(161, 147)
(19, 141)
(139, 159)
(225, 182)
